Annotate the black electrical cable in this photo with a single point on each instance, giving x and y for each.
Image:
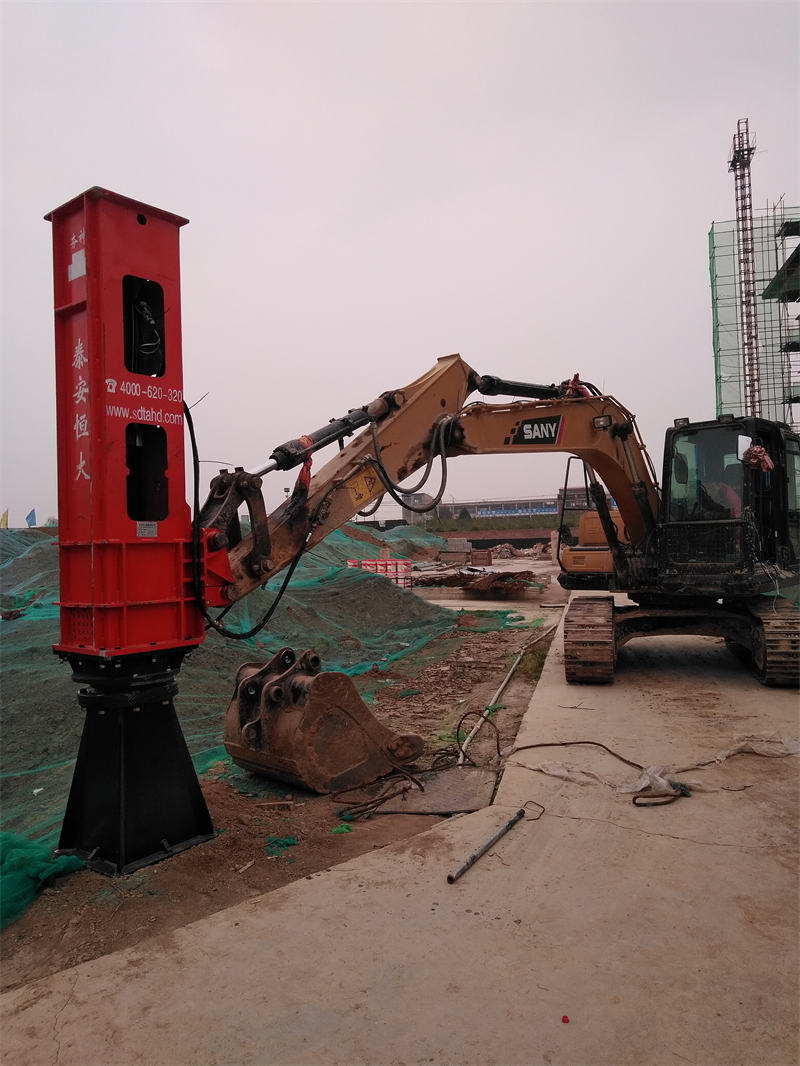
(486, 721)
(231, 634)
(213, 623)
(570, 743)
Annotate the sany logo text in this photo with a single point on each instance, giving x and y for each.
(539, 431)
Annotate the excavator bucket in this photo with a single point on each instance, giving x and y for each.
(289, 720)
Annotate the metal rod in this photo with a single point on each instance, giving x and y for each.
(451, 878)
(266, 468)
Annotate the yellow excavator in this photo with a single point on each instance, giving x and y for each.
(715, 552)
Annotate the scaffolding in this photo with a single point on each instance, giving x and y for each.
(756, 334)
(739, 165)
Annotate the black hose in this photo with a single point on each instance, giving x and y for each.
(438, 447)
(214, 623)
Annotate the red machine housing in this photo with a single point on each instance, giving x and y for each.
(124, 524)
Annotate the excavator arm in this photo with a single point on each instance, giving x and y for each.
(405, 430)
(292, 721)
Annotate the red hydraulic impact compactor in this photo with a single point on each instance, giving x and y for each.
(128, 611)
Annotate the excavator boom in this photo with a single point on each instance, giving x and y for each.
(410, 427)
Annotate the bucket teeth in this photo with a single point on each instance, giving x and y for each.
(289, 720)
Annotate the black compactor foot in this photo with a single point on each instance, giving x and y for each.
(135, 798)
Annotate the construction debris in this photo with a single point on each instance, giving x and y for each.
(508, 551)
(478, 582)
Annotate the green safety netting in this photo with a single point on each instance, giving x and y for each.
(29, 571)
(405, 540)
(26, 866)
(360, 623)
(353, 618)
(17, 542)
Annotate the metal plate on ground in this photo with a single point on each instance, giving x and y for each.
(454, 791)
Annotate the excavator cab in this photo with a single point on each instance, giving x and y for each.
(729, 518)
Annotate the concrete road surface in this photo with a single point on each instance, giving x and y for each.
(601, 933)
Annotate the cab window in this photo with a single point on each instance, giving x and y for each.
(707, 475)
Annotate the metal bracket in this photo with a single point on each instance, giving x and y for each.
(227, 492)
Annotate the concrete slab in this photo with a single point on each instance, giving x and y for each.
(664, 935)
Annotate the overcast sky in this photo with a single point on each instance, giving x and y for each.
(371, 186)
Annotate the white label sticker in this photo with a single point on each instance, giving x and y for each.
(77, 268)
(147, 529)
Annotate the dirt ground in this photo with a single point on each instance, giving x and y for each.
(274, 835)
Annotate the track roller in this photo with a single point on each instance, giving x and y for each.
(776, 643)
(589, 645)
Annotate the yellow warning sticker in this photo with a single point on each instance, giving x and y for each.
(364, 486)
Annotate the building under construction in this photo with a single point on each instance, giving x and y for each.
(754, 263)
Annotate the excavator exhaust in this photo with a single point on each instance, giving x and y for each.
(291, 721)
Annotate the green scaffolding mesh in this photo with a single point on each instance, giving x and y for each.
(774, 233)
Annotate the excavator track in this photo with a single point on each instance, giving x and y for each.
(589, 646)
(776, 642)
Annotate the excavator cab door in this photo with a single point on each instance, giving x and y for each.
(704, 498)
(725, 511)
(705, 477)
